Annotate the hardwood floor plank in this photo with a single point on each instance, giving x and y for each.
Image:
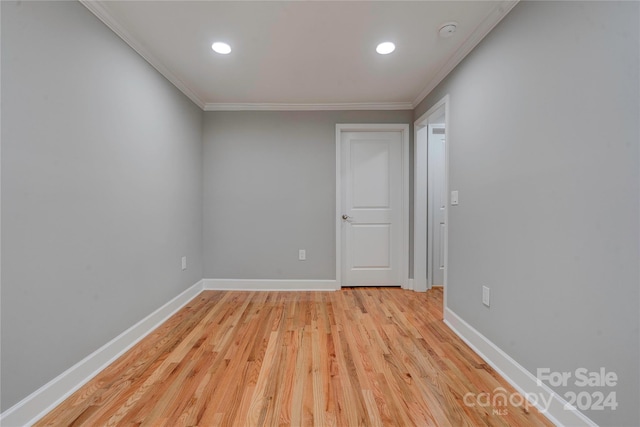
(355, 357)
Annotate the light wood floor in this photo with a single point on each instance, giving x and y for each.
(362, 356)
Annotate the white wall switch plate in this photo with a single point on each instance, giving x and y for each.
(486, 296)
(302, 255)
(454, 198)
(184, 262)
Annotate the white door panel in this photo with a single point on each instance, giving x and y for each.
(370, 245)
(371, 178)
(437, 199)
(370, 174)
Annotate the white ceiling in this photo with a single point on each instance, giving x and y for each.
(301, 54)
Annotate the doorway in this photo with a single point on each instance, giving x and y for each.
(372, 205)
(431, 197)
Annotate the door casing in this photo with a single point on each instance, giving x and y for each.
(367, 127)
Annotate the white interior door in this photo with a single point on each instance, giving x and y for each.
(371, 223)
(437, 201)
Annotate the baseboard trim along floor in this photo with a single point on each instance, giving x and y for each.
(269, 285)
(539, 394)
(42, 401)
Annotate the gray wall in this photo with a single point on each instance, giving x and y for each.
(101, 190)
(544, 151)
(269, 190)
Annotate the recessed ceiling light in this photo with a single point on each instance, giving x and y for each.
(385, 48)
(221, 48)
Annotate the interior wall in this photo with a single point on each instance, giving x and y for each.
(269, 190)
(544, 152)
(101, 190)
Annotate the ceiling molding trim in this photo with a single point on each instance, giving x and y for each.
(101, 13)
(492, 19)
(308, 107)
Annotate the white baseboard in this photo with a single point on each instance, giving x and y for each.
(551, 404)
(46, 398)
(270, 285)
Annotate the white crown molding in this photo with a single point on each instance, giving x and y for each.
(488, 23)
(101, 13)
(556, 409)
(307, 107)
(42, 401)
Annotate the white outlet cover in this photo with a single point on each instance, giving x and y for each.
(184, 262)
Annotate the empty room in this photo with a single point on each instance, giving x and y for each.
(318, 213)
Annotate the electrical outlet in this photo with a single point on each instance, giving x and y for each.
(486, 296)
(184, 262)
(302, 255)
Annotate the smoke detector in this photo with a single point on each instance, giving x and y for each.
(447, 30)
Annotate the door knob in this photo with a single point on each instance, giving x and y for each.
(346, 217)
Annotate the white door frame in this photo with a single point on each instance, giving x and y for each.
(367, 127)
(421, 250)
